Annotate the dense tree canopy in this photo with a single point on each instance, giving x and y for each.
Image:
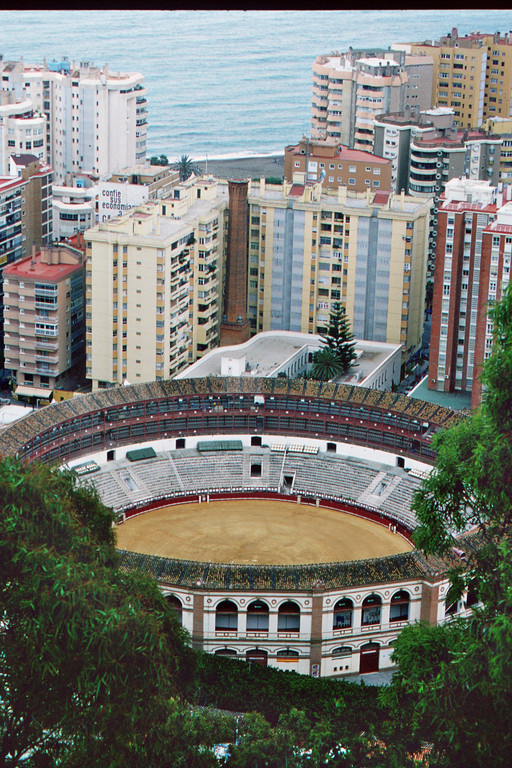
(159, 160)
(455, 680)
(89, 655)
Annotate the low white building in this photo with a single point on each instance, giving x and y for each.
(273, 353)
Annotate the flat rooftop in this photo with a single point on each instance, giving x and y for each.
(457, 401)
(267, 352)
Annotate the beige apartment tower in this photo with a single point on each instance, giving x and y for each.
(472, 74)
(309, 249)
(152, 286)
(351, 89)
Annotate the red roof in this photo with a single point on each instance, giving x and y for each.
(297, 190)
(48, 272)
(381, 197)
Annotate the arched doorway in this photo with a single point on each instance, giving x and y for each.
(257, 656)
(175, 603)
(369, 659)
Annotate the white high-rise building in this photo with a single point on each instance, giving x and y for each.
(96, 120)
(22, 130)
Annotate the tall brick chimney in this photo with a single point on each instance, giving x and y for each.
(235, 327)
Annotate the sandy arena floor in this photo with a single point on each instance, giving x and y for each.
(257, 532)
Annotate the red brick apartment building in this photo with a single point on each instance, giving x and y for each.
(474, 248)
(343, 167)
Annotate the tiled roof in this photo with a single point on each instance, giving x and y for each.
(349, 574)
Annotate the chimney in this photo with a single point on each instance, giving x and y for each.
(235, 327)
(33, 256)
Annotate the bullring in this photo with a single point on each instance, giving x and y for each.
(323, 619)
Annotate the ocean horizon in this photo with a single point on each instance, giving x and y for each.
(224, 84)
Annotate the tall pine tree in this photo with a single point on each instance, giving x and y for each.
(340, 339)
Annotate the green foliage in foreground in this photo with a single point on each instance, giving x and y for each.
(229, 684)
(455, 681)
(89, 655)
(94, 669)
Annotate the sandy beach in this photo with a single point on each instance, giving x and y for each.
(245, 167)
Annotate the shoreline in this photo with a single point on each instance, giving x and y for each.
(250, 167)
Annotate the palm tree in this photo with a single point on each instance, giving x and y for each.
(159, 160)
(326, 365)
(186, 167)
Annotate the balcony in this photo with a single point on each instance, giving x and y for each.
(49, 332)
(53, 360)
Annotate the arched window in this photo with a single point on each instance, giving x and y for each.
(257, 656)
(342, 617)
(257, 616)
(371, 610)
(399, 609)
(342, 650)
(287, 653)
(226, 652)
(450, 609)
(175, 603)
(226, 617)
(288, 619)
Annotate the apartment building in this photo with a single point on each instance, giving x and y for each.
(154, 277)
(472, 74)
(22, 129)
(502, 126)
(25, 214)
(81, 201)
(36, 179)
(132, 186)
(44, 320)
(74, 210)
(309, 248)
(394, 132)
(474, 248)
(351, 89)
(427, 150)
(335, 165)
(84, 108)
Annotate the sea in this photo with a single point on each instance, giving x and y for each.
(224, 83)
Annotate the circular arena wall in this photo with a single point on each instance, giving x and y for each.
(326, 619)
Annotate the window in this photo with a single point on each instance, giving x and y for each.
(226, 616)
(288, 619)
(371, 610)
(342, 618)
(399, 610)
(257, 616)
(343, 650)
(175, 603)
(287, 653)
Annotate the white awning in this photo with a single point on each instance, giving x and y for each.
(33, 392)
